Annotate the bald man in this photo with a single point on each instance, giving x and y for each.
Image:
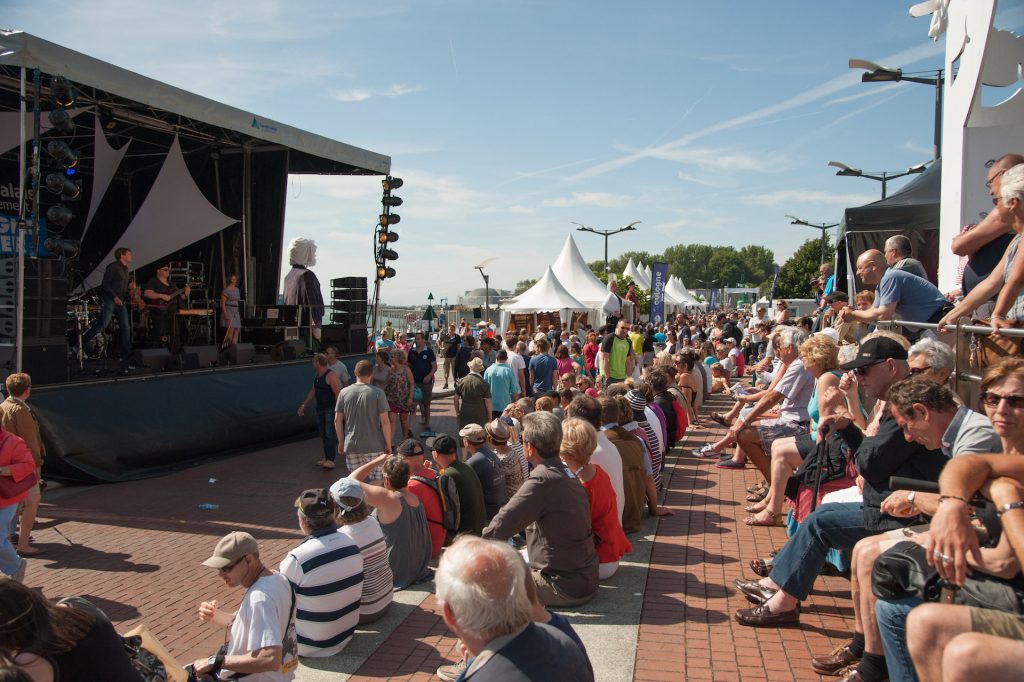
(898, 293)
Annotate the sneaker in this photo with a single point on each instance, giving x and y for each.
(320, 462)
(731, 464)
(707, 452)
(327, 464)
(450, 673)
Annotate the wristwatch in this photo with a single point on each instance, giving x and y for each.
(215, 661)
(910, 499)
(1009, 506)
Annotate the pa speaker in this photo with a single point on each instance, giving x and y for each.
(207, 355)
(46, 362)
(238, 354)
(288, 350)
(156, 359)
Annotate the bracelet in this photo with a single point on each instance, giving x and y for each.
(1009, 506)
(996, 317)
(943, 498)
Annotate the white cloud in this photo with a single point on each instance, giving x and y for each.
(521, 210)
(362, 94)
(801, 196)
(599, 199)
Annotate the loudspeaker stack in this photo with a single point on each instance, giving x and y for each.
(347, 330)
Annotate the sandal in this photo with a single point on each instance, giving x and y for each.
(754, 509)
(757, 497)
(757, 487)
(761, 567)
(719, 419)
(772, 520)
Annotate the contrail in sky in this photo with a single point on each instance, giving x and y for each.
(455, 65)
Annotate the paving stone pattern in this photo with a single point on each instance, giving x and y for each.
(135, 549)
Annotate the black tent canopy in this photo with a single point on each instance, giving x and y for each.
(912, 211)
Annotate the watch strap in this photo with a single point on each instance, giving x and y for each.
(1009, 506)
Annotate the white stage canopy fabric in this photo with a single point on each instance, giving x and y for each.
(174, 214)
(577, 277)
(103, 168)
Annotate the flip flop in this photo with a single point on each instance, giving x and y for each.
(718, 419)
(757, 497)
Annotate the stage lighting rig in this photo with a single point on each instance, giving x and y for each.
(384, 222)
(59, 215)
(61, 184)
(64, 94)
(61, 122)
(62, 154)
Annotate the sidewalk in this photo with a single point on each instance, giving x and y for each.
(135, 549)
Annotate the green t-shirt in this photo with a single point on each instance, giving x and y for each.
(471, 497)
(618, 350)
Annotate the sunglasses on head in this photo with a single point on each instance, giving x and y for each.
(989, 399)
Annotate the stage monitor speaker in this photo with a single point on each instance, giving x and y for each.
(478, 312)
(156, 359)
(333, 334)
(238, 354)
(46, 361)
(358, 340)
(288, 350)
(207, 354)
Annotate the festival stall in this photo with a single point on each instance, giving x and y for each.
(546, 302)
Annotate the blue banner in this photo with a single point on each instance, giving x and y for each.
(713, 303)
(9, 237)
(775, 280)
(659, 280)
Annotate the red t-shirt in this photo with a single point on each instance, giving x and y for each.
(610, 540)
(432, 506)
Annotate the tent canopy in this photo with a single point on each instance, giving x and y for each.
(636, 275)
(547, 295)
(577, 277)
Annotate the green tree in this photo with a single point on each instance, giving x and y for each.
(758, 262)
(523, 285)
(800, 269)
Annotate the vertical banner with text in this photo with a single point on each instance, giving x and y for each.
(713, 303)
(659, 279)
(775, 280)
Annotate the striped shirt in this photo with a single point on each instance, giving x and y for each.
(378, 581)
(326, 572)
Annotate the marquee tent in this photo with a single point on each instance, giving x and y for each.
(548, 295)
(636, 275)
(577, 277)
(678, 290)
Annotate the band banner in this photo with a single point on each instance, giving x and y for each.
(659, 280)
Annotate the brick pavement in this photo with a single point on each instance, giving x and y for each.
(134, 548)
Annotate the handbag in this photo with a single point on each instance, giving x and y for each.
(987, 349)
(903, 571)
(417, 395)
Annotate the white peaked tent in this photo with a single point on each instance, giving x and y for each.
(546, 296)
(576, 276)
(646, 270)
(636, 275)
(679, 291)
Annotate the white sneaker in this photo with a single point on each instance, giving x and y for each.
(450, 673)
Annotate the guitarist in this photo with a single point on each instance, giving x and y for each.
(162, 299)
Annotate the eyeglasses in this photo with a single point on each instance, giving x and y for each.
(861, 371)
(231, 566)
(988, 183)
(989, 399)
(918, 370)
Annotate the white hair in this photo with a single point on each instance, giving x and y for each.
(483, 583)
(938, 355)
(1012, 185)
(302, 251)
(791, 336)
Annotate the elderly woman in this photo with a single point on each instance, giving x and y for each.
(820, 356)
(473, 396)
(1007, 278)
(513, 461)
(791, 395)
(579, 440)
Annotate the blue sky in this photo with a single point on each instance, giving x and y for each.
(510, 120)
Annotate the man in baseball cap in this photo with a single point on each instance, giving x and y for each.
(472, 514)
(237, 559)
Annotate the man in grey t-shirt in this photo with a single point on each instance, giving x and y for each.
(362, 421)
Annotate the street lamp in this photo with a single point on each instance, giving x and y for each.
(606, 234)
(487, 287)
(882, 176)
(824, 227)
(882, 74)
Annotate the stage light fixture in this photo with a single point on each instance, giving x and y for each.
(63, 92)
(62, 153)
(61, 121)
(385, 237)
(391, 183)
(388, 254)
(63, 185)
(391, 201)
(59, 215)
(385, 272)
(62, 247)
(386, 219)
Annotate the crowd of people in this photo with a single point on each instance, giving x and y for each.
(562, 446)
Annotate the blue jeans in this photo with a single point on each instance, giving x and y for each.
(107, 310)
(325, 425)
(801, 559)
(892, 624)
(10, 562)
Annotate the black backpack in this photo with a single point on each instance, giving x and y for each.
(446, 491)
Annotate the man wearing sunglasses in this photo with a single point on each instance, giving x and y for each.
(262, 632)
(880, 362)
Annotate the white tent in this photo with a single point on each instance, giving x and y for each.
(548, 295)
(636, 275)
(677, 289)
(646, 269)
(577, 277)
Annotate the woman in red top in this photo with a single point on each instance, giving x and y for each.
(590, 349)
(579, 439)
(16, 464)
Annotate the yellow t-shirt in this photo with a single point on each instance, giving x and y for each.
(637, 339)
